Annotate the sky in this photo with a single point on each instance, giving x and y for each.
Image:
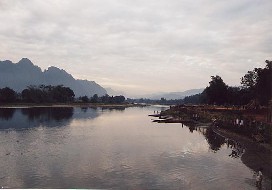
(140, 46)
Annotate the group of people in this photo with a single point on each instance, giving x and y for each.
(239, 122)
(195, 116)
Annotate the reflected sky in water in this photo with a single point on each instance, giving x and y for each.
(119, 149)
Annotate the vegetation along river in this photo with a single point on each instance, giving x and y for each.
(115, 149)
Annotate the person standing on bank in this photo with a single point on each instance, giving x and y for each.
(259, 178)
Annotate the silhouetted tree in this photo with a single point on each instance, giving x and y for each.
(7, 95)
(264, 84)
(47, 94)
(233, 96)
(193, 99)
(118, 99)
(94, 99)
(63, 94)
(105, 98)
(217, 91)
(258, 83)
(84, 99)
(163, 100)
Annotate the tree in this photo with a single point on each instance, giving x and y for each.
(63, 94)
(118, 99)
(249, 80)
(193, 99)
(233, 96)
(264, 84)
(84, 99)
(106, 98)
(217, 91)
(26, 95)
(48, 94)
(33, 94)
(258, 83)
(95, 99)
(7, 95)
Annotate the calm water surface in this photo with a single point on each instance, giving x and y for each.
(114, 149)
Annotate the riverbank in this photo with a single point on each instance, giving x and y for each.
(247, 122)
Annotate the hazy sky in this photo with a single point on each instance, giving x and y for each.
(140, 46)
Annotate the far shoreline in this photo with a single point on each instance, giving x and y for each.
(74, 104)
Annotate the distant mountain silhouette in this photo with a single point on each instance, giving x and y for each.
(24, 73)
(175, 95)
(113, 92)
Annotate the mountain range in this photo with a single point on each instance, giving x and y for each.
(24, 73)
(174, 95)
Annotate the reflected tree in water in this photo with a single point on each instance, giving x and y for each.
(215, 141)
(114, 109)
(25, 118)
(84, 109)
(57, 114)
(192, 128)
(6, 113)
(236, 148)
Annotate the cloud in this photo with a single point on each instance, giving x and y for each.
(150, 45)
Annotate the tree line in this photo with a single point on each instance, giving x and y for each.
(256, 88)
(106, 99)
(53, 94)
(161, 101)
(38, 94)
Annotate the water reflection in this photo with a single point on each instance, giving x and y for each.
(6, 113)
(113, 109)
(192, 128)
(236, 147)
(84, 109)
(47, 114)
(215, 141)
(252, 154)
(25, 118)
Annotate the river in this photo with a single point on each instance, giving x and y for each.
(114, 149)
